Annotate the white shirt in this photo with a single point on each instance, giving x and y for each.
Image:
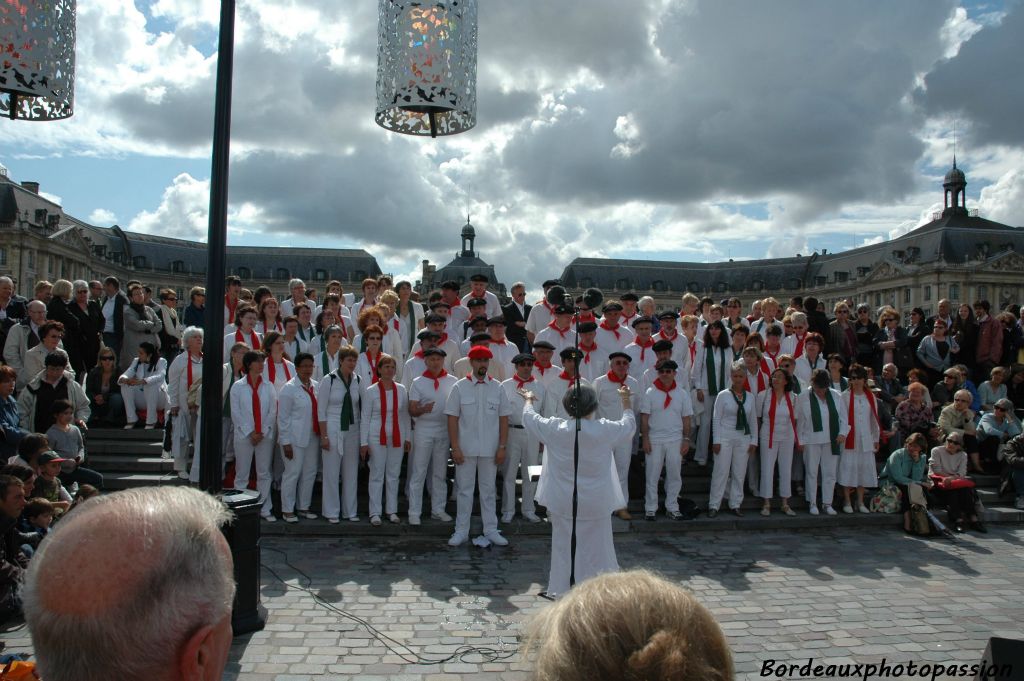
(330, 397)
(493, 306)
(561, 340)
(504, 351)
(108, 315)
(723, 427)
(295, 413)
(666, 424)
(803, 368)
(457, 318)
(478, 405)
(540, 317)
(785, 422)
(136, 369)
(284, 371)
(452, 354)
(609, 342)
(593, 364)
(760, 327)
(556, 392)
(643, 359)
(789, 345)
(177, 379)
(371, 418)
(241, 407)
(865, 425)
(548, 375)
(253, 340)
(324, 363)
(423, 393)
(721, 361)
(805, 421)
(609, 404)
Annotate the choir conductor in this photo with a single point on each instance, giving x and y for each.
(599, 491)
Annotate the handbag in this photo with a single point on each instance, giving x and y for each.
(887, 499)
(947, 483)
(919, 523)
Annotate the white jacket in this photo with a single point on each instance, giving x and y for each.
(295, 413)
(241, 408)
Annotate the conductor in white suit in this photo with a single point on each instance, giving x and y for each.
(597, 482)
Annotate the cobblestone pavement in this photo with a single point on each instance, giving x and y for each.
(841, 596)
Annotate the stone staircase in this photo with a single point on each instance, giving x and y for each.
(132, 458)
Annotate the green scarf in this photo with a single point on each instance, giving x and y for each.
(347, 413)
(709, 368)
(833, 419)
(741, 413)
(302, 336)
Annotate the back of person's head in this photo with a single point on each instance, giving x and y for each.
(628, 625)
(580, 404)
(31, 445)
(160, 589)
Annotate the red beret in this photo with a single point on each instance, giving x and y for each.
(480, 352)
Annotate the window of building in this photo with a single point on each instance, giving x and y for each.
(622, 284)
(906, 295)
(954, 292)
(49, 263)
(320, 275)
(359, 275)
(757, 285)
(721, 287)
(982, 293)
(658, 285)
(283, 273)
(820, 280)
(927, 293)
(586, 282)
(3, 256)
(244, 273)
(793, 283)
(40, 216)
(178, 266)
(139, 261)
(31, 260)
(878, 300)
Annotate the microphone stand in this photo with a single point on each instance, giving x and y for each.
(576, 442)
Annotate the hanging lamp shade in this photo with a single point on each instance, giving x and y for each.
(426, 66)
(37, 59)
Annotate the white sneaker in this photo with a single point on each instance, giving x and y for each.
(393, 518)
(309, 515)
(414, 520)
(183, 475)
(269, 518)
(1019, 504)
(815, 511)
(766, 511)
(863, 509)
(847, 509)
(507, 517)
(353, 519)
(442, 516)
(375, 520)
(130, 426)
(531, 517)
(290, 518)
(829, 510)
(332, 521)
(458, 539)
(496, 539)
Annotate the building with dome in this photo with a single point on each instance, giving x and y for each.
(467, 262)
(957, 255)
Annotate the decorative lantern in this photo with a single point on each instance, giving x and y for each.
(37, 59)
(426, 66)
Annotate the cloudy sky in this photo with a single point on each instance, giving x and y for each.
(670, 129)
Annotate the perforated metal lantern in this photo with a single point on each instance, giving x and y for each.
(426, 66)
(37, 59)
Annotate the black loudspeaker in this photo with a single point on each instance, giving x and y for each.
(243, 536)
(1003, 661)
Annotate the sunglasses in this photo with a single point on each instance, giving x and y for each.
(1000, 408)
(106, 359)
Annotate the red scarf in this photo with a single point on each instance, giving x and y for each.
(272, 371)
(587, 316)
(551, 309)
(394, 323)
(458, 302)
(771, 419)
(443, 339)
(373, 365)
(760, 383)
(419, 353)
(587, 349)
(396, 436)
(561, 332)
(188, 364)
(344, 329)
(613, 329)
(643, 347)
(436, 379)
(615, 379)
(660, 386)
(254, 341)
(257, 413)
(542, 367)
(850, 439)
(231, 309)
(799, 346)
(566, 377)
(671, 339)
(312, 397)
(520, 382)
(693, 350)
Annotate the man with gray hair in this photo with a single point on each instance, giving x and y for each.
(160, 589)
(24, 336)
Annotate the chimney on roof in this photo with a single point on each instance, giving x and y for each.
(31, 186)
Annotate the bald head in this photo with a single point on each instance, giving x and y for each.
(36, 306)
(158, 570)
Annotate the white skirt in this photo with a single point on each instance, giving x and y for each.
(857, 468)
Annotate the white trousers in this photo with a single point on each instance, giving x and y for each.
(385, 467)
(300, 475)
(184, 429)
(595, 550)
(730, 468)
(754, 472)
(149, 397)
(476, 472)
(340, 462)
(664, 455)
(263, 453)
(522, 452)
(820, 458)
(429, 456)
(781, 452)
(623, 454)
(227, 442)
(704, 432)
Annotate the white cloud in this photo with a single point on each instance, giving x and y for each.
(102, 216)
(1004, 200)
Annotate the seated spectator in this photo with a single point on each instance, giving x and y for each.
(1013, 475)
(1015, 389)
(84, 494)
(958, 418)
(144, 387)
(48, 485)
(914, 413)
(907, 466)
(948, 462)
(892, 391)
(943, 391)
(66, 439)
(967, 384)
(11, 431)
(628, 625)
(35, 402)
(50, 335)
(993, 390)
(23, 473)
(12, 560)
(29, 449)
(39, 515)
(166, 613)
(996, 428)
(105, 401)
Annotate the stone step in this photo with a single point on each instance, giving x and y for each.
(124, 480)
(105, 463)
(125, 448)
(119, 434)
